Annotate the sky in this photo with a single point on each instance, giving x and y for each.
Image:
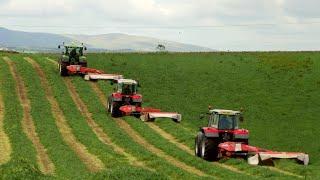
(240, 25)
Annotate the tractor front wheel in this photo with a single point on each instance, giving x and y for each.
(197, 144)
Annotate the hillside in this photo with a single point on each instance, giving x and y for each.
(96, 43)
(116, 41)
(70, 131)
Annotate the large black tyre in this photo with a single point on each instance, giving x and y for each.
(208, 148)
(63, 69)
(197, 144)
(113, 108)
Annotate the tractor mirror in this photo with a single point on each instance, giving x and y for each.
(59, 47)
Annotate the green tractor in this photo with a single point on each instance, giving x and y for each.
(71, 55)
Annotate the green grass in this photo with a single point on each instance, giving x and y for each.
(66, 162)
(279, 91)
(23, 158)
(75, 120)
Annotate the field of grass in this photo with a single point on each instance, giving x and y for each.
(278, 90)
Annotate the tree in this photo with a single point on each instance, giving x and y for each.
(161, 47)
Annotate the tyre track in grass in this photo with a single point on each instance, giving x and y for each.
(5, 145)
(93, 163)
(138, 139)
(45, 164)
(102, 136)
(184, 147)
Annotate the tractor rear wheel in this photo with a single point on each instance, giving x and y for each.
(63, 69)
(197, 144)
(114, 109)
(208, 148)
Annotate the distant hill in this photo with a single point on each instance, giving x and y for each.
(114, 42)
(28, 40)
(117, 41)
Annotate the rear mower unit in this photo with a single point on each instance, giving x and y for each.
(223, 138)
(126, 101)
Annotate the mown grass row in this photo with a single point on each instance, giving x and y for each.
(113, 161)
(75, 119)
(121, 138)
(66, 161)
(23, 158)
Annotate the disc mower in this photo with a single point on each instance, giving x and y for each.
(126, 101)
(73, 62)
(223, 138)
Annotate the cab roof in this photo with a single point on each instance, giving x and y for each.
(224, 111)
(73, 45)
(127, 81)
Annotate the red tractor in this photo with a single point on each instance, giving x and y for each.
(125, 101)
(223, 126)
(125, 94)
(223, 138)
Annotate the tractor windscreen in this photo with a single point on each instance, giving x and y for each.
(228, 121)
(128, 88)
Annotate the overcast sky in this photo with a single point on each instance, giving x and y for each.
(218, 24)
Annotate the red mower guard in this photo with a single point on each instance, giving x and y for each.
(91, 73)
(257, 155)
(148, 113)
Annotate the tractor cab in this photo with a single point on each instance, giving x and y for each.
(224, 119)
(127, 87)
(73, 54)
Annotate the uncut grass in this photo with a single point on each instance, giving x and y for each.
(279, 91)
(77, 122)
(23, 162)
(67, 163)
(121, 138)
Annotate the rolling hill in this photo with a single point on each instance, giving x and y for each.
(112, 42)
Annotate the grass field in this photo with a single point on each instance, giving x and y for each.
(278, 90)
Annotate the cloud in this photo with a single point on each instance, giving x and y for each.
(151, 17)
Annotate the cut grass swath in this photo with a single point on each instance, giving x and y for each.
(45, 164)
(5, 146)
(23, 160)
(121, 138)
(103, 137)
(92, 162)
